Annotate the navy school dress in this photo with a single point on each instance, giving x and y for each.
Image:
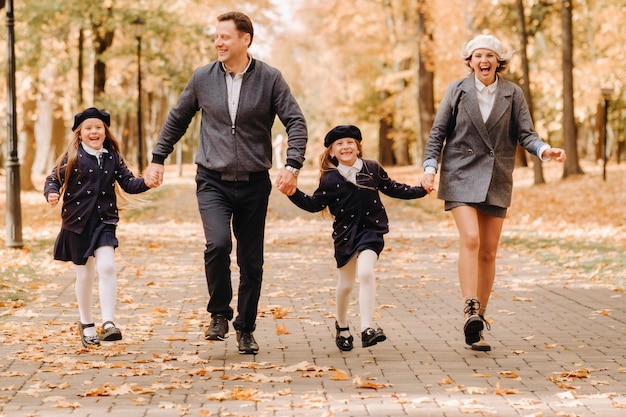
(89, 213)
(360, 217)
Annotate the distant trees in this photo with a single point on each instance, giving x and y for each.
(381, 64)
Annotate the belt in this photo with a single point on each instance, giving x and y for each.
(232, 176)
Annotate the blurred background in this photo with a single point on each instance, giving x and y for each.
(380, 64)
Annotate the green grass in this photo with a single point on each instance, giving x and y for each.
(13, 286)
(599, 261)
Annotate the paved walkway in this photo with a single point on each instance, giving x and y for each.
(559, 349)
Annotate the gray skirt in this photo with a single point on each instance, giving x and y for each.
(485, 208)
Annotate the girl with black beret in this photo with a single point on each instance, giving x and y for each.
(86, 175)
(349, 187)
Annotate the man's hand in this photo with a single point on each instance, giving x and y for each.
(286, 182)
(153, 176)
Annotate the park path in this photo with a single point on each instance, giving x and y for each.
(559, 347)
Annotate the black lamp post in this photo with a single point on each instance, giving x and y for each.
(14, 209)
(606, 93)
(139, 25)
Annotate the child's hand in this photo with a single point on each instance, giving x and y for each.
(53, 199)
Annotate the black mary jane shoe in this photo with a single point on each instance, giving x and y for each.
(110, 332)
(343, 343)
(370, 337)
(87, 340)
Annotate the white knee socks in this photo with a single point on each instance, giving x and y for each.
(361, 266)
(367, 287)
(104, 262)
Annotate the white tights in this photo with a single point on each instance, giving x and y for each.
(104, 262)
(362, 267)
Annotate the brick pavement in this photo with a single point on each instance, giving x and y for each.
(558, 347)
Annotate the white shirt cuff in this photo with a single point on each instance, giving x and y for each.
(541, 151)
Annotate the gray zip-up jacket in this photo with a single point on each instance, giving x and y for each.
(235, 150)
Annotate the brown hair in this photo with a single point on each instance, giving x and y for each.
(503, 64)
(242, 22)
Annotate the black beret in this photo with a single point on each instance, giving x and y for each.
(91, 113)
(340, 132)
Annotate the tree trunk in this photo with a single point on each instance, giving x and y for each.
(81, 45)
(400, 147)
(103, 39)
(426, 75)
(523, 33)
(571, 165)
(27, 142)
(385, 144)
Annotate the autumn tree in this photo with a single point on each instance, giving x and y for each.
(525, 85)
(426, 72)
(571, 165)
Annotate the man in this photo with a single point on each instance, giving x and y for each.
(239, 97)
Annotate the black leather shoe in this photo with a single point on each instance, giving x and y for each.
(246, 343)
(218, 329)
(370, 337)
(343, 343)
(110, 333)
(87, 341)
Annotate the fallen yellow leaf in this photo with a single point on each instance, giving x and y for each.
(282, 329)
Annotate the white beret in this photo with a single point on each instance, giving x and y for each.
(486, 42)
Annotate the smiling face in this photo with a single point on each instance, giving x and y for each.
(484, 62)
(346, 150)
(231, 45)
(92, 133)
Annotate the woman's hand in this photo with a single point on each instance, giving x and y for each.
(557, 154)
(428, 182)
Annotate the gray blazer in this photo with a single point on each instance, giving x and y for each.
(478, 157)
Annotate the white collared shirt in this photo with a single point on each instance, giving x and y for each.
(92, 151)
(233, 85)
(486, 96)
(349, 172)
(95, 152)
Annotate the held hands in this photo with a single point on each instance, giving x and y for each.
(428, 182)
(53, 199)
(153, 176)
(557, 154)
(286, 182)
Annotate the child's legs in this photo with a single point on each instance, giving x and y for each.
(85, 275)
(347, 278)
(367, 286)
(105, 263)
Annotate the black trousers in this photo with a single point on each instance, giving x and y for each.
(244, 204)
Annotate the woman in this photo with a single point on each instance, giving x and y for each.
(481, 120)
